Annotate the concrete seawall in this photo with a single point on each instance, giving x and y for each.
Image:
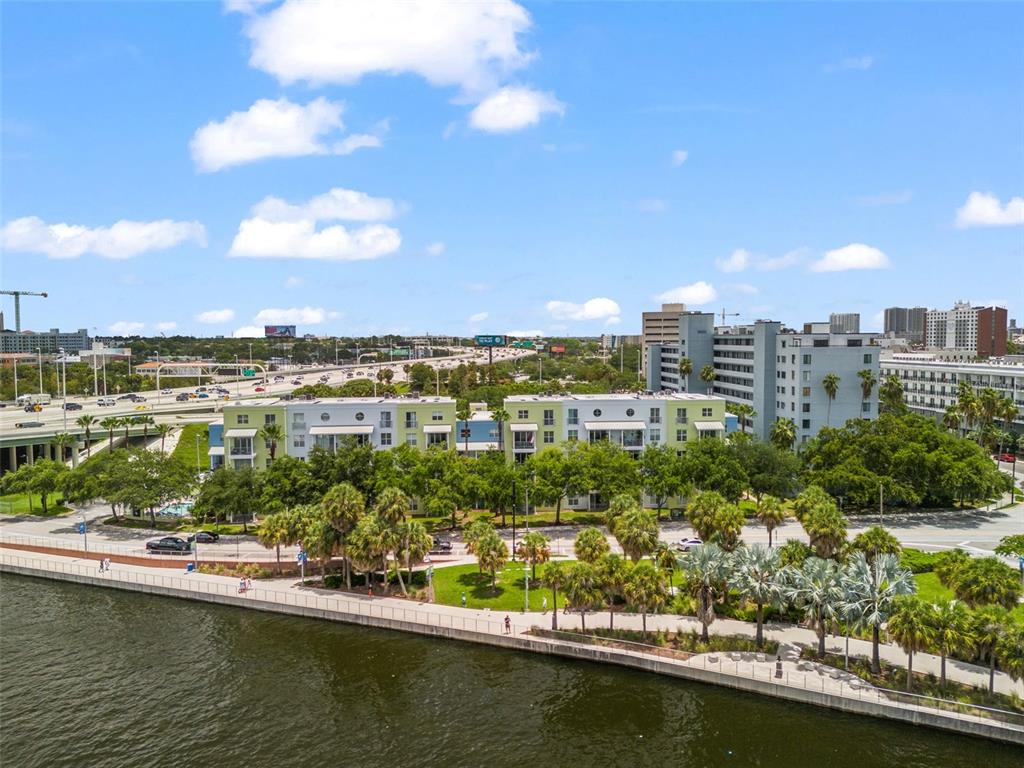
(492, 635)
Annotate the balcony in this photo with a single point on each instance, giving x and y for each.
(523, 445)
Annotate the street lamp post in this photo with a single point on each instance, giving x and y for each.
(15, 377)
(514, 498)
(64, 384)
(198, 468)
(238, 381)
(39, 360)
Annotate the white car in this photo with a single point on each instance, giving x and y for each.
(165, 391)
(104, 401)
(687, 544)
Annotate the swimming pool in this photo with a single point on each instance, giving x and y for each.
(178, 509)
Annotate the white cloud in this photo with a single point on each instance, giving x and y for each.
(436, 248)
(613, 321)
(652, 205)
(170, 325)
(775, 263)
(477, 287)
(243, 6)
(737, 261)
(851, 64)
(214, 316)
(593, 309)
(272, 128)
(294, 316)
(479, 317)
(293, 282)
(513, 108)
(679, 157)
(249, 332)
(278, 229)
(853, 256)
(126, 327)
(744, 288)
(899, 197)
(470, 45)
(530, 334)
(693, 294)
(983, 209)
(122, 240)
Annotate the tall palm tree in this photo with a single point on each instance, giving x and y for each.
(771, 513)
(1010, 649)
(871, 589)
(86, 421)
(743, 411)
(273, 532)
(343, 506)
(590, 545)
(707, 569)
(462, 414)
(783, 433)
(502, 417)
(867, 382)
(163, 431)
(758, 578)
(890, 393)
(392, 508)
(126, 422)
(911, 627)
(272, 434)
(830, 383)
(146, 421)
(62, 440)
(707, 375)
(637, 533)
(416, 544)
(816, 589)
(665, 559)
(951, 622)
(990, 625)
(685, 369)
(1007, 411)
(535, 548)
(110, 424)
(583, 590)
(952, 417)
(555, 575)
(612, 572)
(967, 405)
(645, 591)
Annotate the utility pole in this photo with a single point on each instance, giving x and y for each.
(880, 505)
(39, 359)
(15, 377)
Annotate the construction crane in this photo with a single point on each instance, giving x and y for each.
(723, 314)
(17, 304)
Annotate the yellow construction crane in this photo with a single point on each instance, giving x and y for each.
(17, 304)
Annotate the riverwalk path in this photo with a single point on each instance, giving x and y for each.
(790, 678)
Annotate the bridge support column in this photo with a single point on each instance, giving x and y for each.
(12, 458)
(74, 455)
(30, 455)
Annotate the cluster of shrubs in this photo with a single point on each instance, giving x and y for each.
(250, 570)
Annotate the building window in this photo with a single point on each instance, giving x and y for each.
(705, 412)
(439, 440)
(573, 416)
(597, 412)
(806, 391)
(573, 434)
(867, 359)
(549, 436)
(385, 420)
(243, 418)
(865, 407)
(807, 359)
(655, 416)
(807, 375)
(360, 416)
(299, 441)
(522, 413)
(385, 438)
(806, 423)
(269, 418)
(805, 407)
(681, 416)
(437, 416)
(549, 418)
(410, 421)
(299, 419)
(680, 435)
(325, 416)
(655, 436)
(410, 440)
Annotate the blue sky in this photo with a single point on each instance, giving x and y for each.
(472, 169)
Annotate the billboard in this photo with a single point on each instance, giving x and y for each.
(558, 348)
(279, 331)
(490, 341)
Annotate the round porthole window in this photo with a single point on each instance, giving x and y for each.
(325, 416)
(597, 411)
(359, 416)
(630, 411)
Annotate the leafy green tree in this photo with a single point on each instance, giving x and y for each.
(558, 473)
(535, 548)
(495, 477)
(583, 590)
(986, 580)
(794, 552)
(771, 513)
(415, 544)
(1010, 650)
(645, 590)
(662, 474)
(989, 625)
(637, 533)
(768, 468)
(871, 587)
(81, 485)
(1011, 546)
(556, 574)
(910, 626)
(758, 578)
(707, 570)
(590, 545)
(951, 624)
(948, 565)
(612, 573)
(609, 470)
(816, 589)
(783, 433)
(876, 541)
(287, 483)
(713, 465)
(702, 513)
(343, 506)
(42, 478)
(890, 394)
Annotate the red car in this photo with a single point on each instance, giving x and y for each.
(260, 389)
(1004, 457)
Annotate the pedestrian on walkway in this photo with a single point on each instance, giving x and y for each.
(241, 585)
(248, 583)
(101, 565)
(508, 625)
(544, 605)
(106, 564)
(463, 599)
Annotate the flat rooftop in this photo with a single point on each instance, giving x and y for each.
(615, 397)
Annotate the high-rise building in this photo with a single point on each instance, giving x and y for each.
(660, 326)
(47, 342)
(906, 323)
(844, 322)
(967, 331)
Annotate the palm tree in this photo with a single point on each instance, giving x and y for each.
(867, 382)
(555, 575)
(110, 424)
(62, 440)
(967, 405)
(951, 623)
(392, 508)
(416, 544)
(831, 386)
(86, 421)
(502, 417)
(875, 541)
(743, 412)
(771, 513)
(890, 393)
(757, 577)
(590, 545)
(273, 532)
(990, 625)
(783, 433)
(952, 417)
(707, 570)
(910, 626)
(582, 590)
(146, 422)
(164, 431)
(645, 591)
(612, 572)
(707, 375)
(126, 422)
(343, 506)
(1010, 650)
(637, 533)
(272, 434)
(826, 528)
(535, 548)
(871, 589)
(491, 554)
(685, 369)
(665, 559)
(462, 414)
(816, 589)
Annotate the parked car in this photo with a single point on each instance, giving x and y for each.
(441, 547)
(72, 406)
(105, 401)
(687, 544)
(203, 537)
(183, 397)
(28, 424)
(1006, 457)
(168, 544)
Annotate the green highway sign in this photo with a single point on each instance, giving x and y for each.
(248, 371)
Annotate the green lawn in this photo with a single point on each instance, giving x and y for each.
(540, 517)
(930, 589)
(450, 583)
(186, 447)
(18, 504)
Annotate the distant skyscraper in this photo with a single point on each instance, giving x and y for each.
(844, 322)
(980, 331)
(906, 322)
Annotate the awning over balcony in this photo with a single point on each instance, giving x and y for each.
(709, 426)
(437, 429)
(597, 425)
(475, 446)
(343, 429)
(523, 427)
(251, 432)
(215, 450)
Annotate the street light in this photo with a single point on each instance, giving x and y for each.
(39, 360)
(198, 468)
(514, 497)
(64, 382)
(15, 377)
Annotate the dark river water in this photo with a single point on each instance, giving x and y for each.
(94, 678)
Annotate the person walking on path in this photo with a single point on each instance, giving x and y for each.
(463, 599)
(106, 564)
(508, 625)
(102, 563)
(241, 585)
